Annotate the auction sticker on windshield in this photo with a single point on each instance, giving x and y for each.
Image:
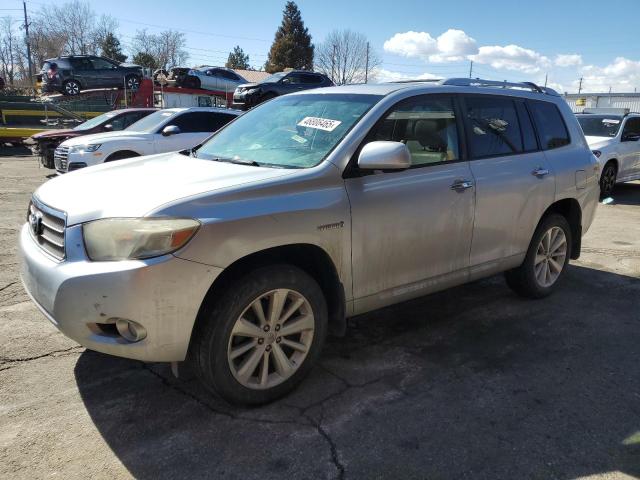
(325, 124)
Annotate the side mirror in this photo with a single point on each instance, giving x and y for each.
(631, 137)
(108, 127)
(170, 130)
(384, 155)
(286, 80)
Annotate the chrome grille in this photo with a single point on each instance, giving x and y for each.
(60, 158)
(47, 227)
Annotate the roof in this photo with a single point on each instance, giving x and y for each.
(252, 76)
(204, 109)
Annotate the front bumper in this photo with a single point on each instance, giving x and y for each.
(79, 296)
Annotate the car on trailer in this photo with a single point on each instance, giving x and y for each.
(72, 74)
(43, 144)
(211, 78)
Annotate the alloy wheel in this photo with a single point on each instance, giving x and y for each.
(271, 339)
(133, 83)
(72, 88)
(550, 256)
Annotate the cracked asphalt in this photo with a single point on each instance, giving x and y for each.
(473, 382)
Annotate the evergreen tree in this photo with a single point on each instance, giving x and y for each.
(145, 60)
(237, 59)
(110, 47)
(292, 47)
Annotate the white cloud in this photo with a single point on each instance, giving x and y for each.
(412, 44)
(452, 46)
(511, 57)
(381, 75)
(623, 76)
(570, 60)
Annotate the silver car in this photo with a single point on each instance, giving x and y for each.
(241, 255)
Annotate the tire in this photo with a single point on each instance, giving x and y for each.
(132, 82)
(608, 179)
(529, 279)
(71, 87)
(121, 155)
(192, 82)
(217, 354)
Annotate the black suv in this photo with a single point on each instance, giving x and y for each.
(249, 95)
(70, 75)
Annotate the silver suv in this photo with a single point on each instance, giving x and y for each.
(239, 256)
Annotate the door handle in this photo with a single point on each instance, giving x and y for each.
(540, 172)
(461, 185)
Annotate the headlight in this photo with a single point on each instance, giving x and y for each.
(136, 238)
(597, 153)
(252, 91)
(191, 72)
(85, 148)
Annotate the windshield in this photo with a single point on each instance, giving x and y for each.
(274, 78)
(95, 121)
(293, 131)
(150, 123)
(600, 125)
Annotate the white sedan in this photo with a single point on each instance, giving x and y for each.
(166, 130)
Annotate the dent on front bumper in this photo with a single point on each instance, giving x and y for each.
(162, 294)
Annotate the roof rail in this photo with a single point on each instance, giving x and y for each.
(478, 82)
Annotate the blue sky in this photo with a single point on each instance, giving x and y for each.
(508, 39)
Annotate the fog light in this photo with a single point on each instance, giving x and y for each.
(130, 330)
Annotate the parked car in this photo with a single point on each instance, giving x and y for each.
(212, 78)
(166, 130)
(613, 134)
(249, 95)
(44, 143)
(175, 76)
(241, 255)
(72, 74)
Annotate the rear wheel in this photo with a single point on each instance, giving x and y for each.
(192, 82)
(546, 259)
(608, 179)
(71, 87)
(263, 335)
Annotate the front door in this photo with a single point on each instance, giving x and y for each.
(514, 181)
(629, 149)
(411, 230)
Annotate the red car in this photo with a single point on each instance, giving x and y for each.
(44, 143)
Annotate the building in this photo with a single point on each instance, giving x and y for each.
(579, 101)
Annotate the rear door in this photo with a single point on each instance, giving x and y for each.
(411, 229)
(83, 72)
(514, 182)
(106, 73)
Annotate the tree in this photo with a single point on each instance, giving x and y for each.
(8, 45)
(110, 48)
(292, 47)
(237, 59)
(166, 48)
(345, 57)
(146, 60)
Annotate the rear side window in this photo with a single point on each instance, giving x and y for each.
(311, 79)
(492, 123)
(529, 141)
(201, 121)
(551, 128)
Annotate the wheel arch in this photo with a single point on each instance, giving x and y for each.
(312, 259)
(570, 209)
(117, 154)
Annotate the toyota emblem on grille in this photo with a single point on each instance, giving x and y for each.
(35, 223)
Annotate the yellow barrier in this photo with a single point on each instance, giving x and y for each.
(41, 113)
(11, 132)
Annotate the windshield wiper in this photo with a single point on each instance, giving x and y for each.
(238, 161)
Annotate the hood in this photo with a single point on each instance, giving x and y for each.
(54, 133)
(246, 86)
(134, 187)
(120, 135)
(598, 142)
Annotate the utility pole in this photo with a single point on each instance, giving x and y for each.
(546, 77)
(580, 86)
(609, 89)
(26, 39)
(471, 69)
(366, 68)
(333, 64)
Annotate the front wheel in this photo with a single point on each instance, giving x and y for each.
(263, 335)
(133, 82)
(72, 87)
(546, 260)
(608, 179)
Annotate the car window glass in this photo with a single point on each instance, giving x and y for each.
(426, 125)
(201, 121)
(551, 128)
(228, 75)
(119, 123)
(493, 127)
(529, 141)
(81, 64)
(631, 127)
(311, 79)
(100, 64)
(293, 79)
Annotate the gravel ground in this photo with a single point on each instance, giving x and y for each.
(473, 383)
